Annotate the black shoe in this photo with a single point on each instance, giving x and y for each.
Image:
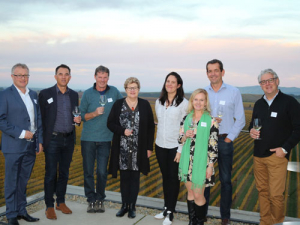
(13, 221)
(28, 218)
(131, 211)
(123, 210)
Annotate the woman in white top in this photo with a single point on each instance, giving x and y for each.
(170, 108)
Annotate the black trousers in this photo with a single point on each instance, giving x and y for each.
(130, 185)
(169, 170)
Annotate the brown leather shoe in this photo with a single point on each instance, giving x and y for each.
(50, 213)
(225, 222)
(64, 208)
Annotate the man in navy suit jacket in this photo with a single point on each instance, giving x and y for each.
(19, 117)
(57, 103)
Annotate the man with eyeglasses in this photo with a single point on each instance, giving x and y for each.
(22, 138)
(232, 120)
(57, 104)
(279, 133)
(96, 137)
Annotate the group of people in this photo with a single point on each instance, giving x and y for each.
(192, 135)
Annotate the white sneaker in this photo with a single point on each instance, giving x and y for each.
(160, 216)
(168, 220)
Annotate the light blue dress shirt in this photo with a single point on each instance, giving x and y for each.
(230, 98)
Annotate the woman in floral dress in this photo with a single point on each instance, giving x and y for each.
(199, 137)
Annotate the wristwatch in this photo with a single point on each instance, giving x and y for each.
(284, 151)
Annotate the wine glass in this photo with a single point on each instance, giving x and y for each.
(76, 112)
(130, 127)
(191, 124)
(32, 128)
(257, 125)
(220, 111)
(103, 100)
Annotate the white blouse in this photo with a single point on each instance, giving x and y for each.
(169, 123)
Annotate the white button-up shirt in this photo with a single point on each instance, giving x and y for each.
(168, 126)
(29, 106)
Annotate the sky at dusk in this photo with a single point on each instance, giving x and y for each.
(149, 39)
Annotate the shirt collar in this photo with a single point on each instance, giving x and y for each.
(58, 91)
(271, 100)
(20, 92)
(222, 86)
(106, 89)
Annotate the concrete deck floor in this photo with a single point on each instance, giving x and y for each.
(80, 216)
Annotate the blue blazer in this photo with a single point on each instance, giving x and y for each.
(14, 118)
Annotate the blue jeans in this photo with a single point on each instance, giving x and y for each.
(92, 151)
(58, 153)
(225, 158)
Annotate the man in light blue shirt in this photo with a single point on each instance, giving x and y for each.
(227, 106)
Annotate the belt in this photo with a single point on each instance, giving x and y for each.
(59, 134)
(222, 135)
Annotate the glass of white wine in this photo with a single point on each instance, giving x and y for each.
(257, 125)
(32, 128)
(220, 111)
(103, 100)
(76, 112)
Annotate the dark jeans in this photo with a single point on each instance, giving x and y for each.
(225, 158)
(18, 168)
(92, 151)
(169, 170)
(57, 155)
(130, 185)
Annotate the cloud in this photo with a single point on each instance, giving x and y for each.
(151, 61)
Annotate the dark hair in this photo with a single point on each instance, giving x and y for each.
(213, 62)
(179, 95)
(62, 66)
(102, 69)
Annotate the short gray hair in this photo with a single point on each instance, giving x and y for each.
(102, 69)
(24, 66)
(267, 71)
(132, 80)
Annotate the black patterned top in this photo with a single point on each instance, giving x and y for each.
(129, 119)
(212, 151)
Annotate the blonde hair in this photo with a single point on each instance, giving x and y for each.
(198, 91)
(132, 80)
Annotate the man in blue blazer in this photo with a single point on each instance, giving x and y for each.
(22, 138)
(57, 104)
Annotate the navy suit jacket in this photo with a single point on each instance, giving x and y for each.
(14, 118)
(48, 104)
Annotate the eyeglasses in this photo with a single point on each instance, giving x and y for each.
(132, 88)
(21, 76)
(270, 81)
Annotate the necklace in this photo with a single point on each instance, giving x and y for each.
(131, 105)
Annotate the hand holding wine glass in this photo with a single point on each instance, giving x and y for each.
(32, 128)
(76, 112)
(257, 126)
(103, 100)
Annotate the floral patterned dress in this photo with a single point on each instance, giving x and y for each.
(212, 151)
(129, 119)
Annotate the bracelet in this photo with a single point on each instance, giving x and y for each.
(211, 167)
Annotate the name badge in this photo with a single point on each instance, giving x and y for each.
(50, 100)
(203, 124)
(109, 100)
(35, 101)
(273, 114)
(222, 102)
